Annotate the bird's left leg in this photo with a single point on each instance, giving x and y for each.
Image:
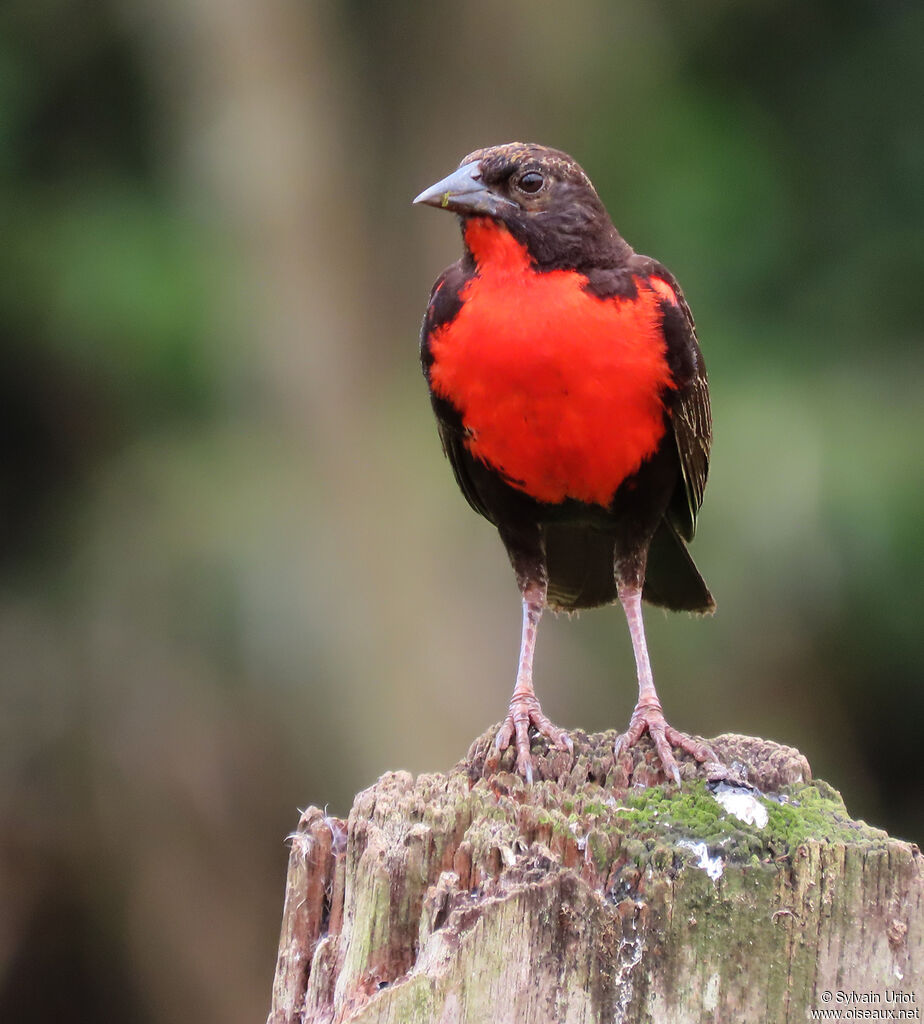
(648, 715)
(524, 709)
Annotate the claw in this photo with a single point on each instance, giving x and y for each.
(524, 712)
(648, 717)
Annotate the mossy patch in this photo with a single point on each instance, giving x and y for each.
(576, 801)
(658, 815)
(603, 831)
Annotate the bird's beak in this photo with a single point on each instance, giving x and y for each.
(464, 193)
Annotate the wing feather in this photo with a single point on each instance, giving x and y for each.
(690, 409)
(692, 422)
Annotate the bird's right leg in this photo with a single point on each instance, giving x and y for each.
(524, 709)
(648, 716)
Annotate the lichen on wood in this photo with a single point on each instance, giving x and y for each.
(587, 897)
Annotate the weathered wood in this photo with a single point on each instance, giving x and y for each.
(473, 897)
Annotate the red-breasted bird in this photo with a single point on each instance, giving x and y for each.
(572, 401)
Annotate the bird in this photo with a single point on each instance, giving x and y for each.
(572, 401)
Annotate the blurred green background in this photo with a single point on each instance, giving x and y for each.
(237, 577)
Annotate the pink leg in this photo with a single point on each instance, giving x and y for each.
(647, 714)
(524, 709)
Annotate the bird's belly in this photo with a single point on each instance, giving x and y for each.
(559, 391)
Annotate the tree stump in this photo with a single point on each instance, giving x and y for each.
(586, 897)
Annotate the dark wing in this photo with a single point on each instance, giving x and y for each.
(444, 305)
(691, 413)
(692, 419)
(452, 435)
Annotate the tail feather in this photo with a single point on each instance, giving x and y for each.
(671, 577)
(580, 567)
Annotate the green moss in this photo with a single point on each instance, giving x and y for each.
(636, 851)
(815, 811)
(565, 828)
(642, 828)
(600, 850)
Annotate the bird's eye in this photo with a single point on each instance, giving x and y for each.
(530, 182)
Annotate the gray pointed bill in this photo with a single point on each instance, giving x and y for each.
(464, 193)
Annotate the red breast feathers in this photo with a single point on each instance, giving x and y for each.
(559, 390)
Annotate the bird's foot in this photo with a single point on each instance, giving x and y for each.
(648, 717)
(524, 711)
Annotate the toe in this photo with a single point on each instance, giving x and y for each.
(524, 757)
(504, 734)
(665, 754)
(523, 714)
(637, 725)
(701, 751)
(664, 738)
(555, 735)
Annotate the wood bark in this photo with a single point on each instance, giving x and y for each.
(587, 897)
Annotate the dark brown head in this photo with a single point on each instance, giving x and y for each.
(541, 195)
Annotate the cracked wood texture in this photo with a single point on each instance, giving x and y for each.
(597, 894)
